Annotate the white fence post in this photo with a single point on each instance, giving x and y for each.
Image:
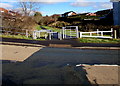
(49, 36)
(39, 34)
(60, 35)
(115, 34)
(27, 33)
(45, 36)
(65, 33)
(112, 32)
(63, 28)
(101, 33)
(90, 34)
(34, 35)
(97, 32)
(111, 29)
(80, 34)
(70, 32)
(77, 32)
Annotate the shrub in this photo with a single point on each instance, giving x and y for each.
(59, 24)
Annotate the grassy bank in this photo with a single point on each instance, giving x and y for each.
(81, 40)
(96, 40)
(19, 37)
(51, 28)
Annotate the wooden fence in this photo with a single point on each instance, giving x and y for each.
(13, 31)
(96, 34)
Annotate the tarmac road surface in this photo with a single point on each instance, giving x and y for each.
(56, 66)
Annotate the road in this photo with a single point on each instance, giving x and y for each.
(76, 56)
(56, 66)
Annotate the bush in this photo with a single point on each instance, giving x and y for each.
(59, 24)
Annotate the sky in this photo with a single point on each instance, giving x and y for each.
(50, 7)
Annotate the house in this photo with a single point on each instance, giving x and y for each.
(56, 16)
(13, 13)
(70, 13)
(91, 14)
(8, 12)
(103, 12)
(3, 10)
(107, 19)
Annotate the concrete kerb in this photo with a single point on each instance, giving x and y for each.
(97, 65)
(60, 46)
(94, 48)
(99, 48)
(21, 44)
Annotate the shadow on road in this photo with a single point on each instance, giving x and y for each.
(55, 66)
(43, 69)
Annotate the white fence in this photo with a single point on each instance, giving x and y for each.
(99, 34)
(61, 35)
(29, 33)
(38, 34)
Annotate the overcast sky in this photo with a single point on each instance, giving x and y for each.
(50, 7)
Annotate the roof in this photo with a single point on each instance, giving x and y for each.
(3, 9)
(103, 12)
(55, 15)
(115, 0)
(69, 12)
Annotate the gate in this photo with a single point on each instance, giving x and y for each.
(70, 32)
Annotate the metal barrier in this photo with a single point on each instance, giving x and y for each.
(69, 31)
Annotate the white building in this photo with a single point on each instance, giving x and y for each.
(116, 11)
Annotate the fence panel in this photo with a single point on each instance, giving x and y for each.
(99, 34)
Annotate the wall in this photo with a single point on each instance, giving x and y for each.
(116, 13)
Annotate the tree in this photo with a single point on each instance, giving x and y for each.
(37, 17)
(28, 7)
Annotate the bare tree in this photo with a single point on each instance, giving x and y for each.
(28, 7)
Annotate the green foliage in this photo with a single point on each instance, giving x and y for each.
(85, 17)
(59, 24)
(38, 14)
(74, 18)
(37, 17)
(38, 27)
(53, 29)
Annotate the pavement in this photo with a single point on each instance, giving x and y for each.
(17, 53)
